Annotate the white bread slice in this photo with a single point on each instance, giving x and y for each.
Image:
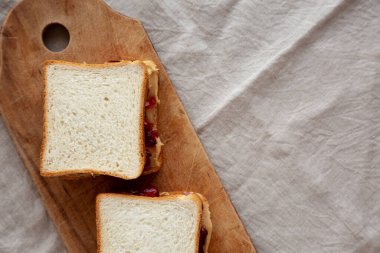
(138, 224)
(93, 119)
(206, 215)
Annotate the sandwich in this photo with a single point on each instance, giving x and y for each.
(100, 119)
(167, 223)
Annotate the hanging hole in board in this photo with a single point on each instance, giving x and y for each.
(55, 37)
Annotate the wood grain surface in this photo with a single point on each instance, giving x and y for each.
(98, 34)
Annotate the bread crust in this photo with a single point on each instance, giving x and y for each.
(92, 171)
(171, 196)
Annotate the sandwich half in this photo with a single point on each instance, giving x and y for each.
(100, 119)
(171, 223)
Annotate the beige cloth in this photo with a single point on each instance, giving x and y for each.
(285, 96)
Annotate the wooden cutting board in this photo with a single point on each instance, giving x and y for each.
(98, 34)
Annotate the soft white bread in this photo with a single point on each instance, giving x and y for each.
(137, 224)
(206, 215)
(93, 119)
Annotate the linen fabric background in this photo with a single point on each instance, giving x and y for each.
(285, 96)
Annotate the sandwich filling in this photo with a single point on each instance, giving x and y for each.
(153, 142)
(202, 240)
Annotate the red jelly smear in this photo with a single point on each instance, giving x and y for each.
(150, 139)
(147, 159)
(148, 126)
(150, 192)
(150, 103)
(154, 133)
(202, 239)
(150, 134)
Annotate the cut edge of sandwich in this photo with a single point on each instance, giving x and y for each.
(203, 213)
(77, 173)
(151, 116)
